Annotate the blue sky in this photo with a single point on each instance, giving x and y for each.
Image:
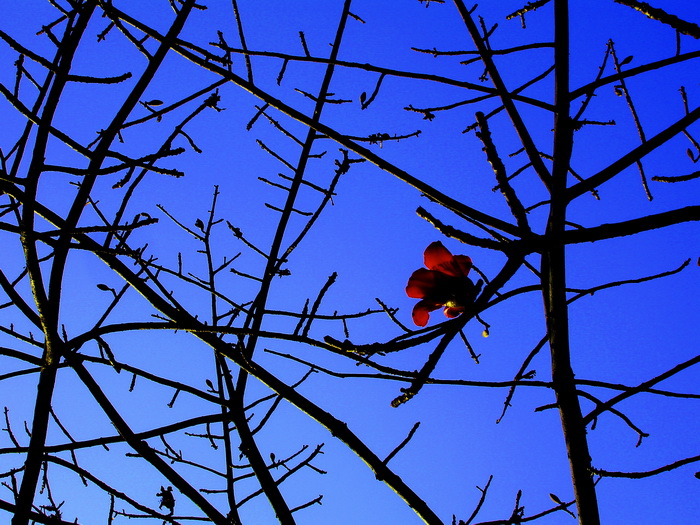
(372, 237)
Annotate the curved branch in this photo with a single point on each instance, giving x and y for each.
(648, 473)
(633, 226)
(599, 82)
(640, 388)
(633, 156)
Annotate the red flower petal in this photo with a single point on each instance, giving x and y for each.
(421, 312)
(439, 259)
(421, 283)
(457, 266)
(435, 255)
(444, 284)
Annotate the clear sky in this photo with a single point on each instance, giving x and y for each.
(373, 238)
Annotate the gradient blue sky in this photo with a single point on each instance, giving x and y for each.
(373, 239)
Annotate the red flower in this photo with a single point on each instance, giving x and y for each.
(443, 284)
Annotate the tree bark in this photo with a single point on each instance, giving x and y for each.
(554, 283)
